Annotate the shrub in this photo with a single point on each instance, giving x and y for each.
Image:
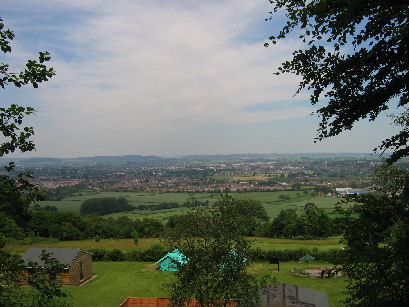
(98, 254)
(134, 255)
(154, 253)
(114, 255)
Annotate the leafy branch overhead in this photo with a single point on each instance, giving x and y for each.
(355, 60)
(17, 192)
(11, 117)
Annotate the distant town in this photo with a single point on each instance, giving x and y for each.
(235, 173)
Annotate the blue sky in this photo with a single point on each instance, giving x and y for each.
(164, 78)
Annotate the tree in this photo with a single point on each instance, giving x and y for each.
(44, 288)
(218, 255)
(285, 224)
(308, 205)
(16, 192)
(355, 61)
(375, 259)
(315, 223)
(11, 118)
(106, 205)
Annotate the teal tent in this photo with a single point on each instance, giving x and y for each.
(307, 258)
(170, 261)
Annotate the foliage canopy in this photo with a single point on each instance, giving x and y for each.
(213, 240)
(375, 259)
(355, 60)
(103, 206)
(16, 192)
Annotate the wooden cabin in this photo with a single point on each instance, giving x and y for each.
(77, 261)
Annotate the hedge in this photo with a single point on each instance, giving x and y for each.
(155, 252)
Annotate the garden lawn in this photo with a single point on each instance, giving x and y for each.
(334, 287)
(118, 280)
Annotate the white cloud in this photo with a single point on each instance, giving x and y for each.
(145, 71)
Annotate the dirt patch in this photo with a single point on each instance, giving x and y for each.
(320, 272)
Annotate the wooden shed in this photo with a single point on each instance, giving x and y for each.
(77, 261)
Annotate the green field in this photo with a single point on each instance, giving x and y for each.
(281, 244)
(144, 243)
(270, 200)
(118, 280)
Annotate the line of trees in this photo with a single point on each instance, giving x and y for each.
(172, 205)
(314, 223)
(105, 205)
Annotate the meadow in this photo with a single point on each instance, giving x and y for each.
(144, 243)
(270, 200)
(116, 281)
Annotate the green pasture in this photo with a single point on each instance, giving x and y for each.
(282, 244)
(270, 200)
(144, 243)
(116, 281)
(108, 244)
(73, 203)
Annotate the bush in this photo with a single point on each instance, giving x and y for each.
(134, 255)
(98, 254)
(114, 255)
(154, 253)
(295, 254)
(107, 205)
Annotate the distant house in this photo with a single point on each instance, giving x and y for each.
(77, 261)
(350, 191)
(170, 261)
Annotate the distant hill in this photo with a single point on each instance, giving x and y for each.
(278, 155)
(81, 161)
(29, 162)
(127, 158)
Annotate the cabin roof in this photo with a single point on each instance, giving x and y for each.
(64, 256)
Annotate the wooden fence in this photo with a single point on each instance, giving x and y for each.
(63, 279)
(157, 302)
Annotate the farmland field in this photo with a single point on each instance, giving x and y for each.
(144, 243)
(273, 202)
(118, 280)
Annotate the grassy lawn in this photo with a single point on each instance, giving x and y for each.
(144, 243)
(118, 280)
(333, 287)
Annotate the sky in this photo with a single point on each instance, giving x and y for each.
(157, 77)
